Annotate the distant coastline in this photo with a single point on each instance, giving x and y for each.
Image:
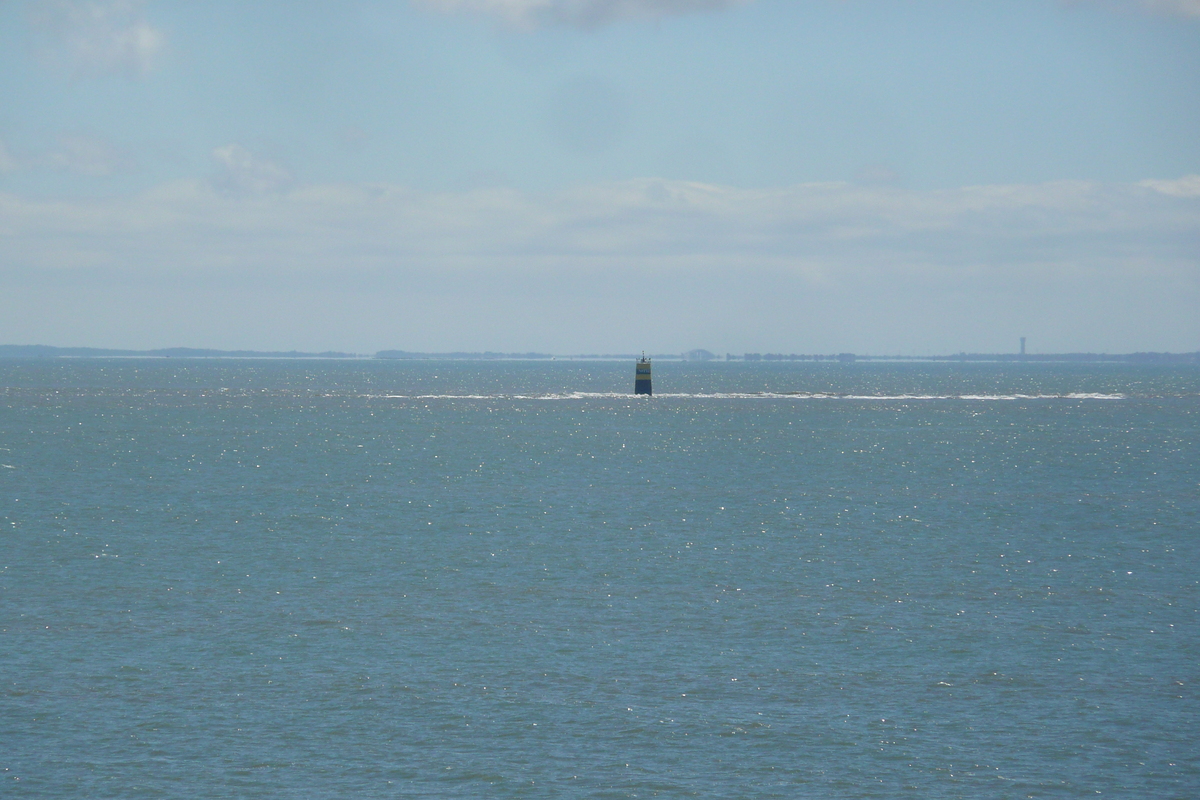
(11, 351)
(1008, 358)
(46, 351)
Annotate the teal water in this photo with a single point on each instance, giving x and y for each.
(444, 579)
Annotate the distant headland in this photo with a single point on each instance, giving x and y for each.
(13, 351)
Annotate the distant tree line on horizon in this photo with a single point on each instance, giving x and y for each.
(486, 355)
(843, 357)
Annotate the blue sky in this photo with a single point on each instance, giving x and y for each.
(601, 175)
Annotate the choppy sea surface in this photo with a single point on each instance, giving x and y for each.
(328, 579)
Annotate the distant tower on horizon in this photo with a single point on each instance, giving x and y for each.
(1022, 345)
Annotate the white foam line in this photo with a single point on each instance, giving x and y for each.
(755, 396)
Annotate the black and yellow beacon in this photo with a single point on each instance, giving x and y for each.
(641, 378)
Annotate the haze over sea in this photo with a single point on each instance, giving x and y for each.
(335, 579)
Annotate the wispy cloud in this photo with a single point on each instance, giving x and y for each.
(1187, 186)
(241, 172)
(80, 153)
(89, 37)
(580, 13)
(1182, 8)
(648, 221)
(594, 13)
(84, 154)
(833, 265)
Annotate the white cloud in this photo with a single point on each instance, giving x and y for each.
(241, 172)
(808, 268)
(651, 219)
(1187, 186)
(94, 36)
(583, 13)
(647, 222)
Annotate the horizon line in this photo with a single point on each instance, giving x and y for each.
(10, 351)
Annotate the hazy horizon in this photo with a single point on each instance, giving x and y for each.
(899, 178)
(609, 354)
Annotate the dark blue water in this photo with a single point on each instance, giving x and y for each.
(371, 579)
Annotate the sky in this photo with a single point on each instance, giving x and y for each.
(882, 177)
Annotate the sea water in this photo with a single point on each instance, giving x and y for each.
(366, 579)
